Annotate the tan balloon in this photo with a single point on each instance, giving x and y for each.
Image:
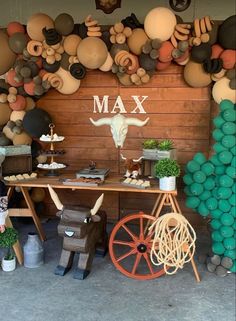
(221, 91)
(5, 112)
(8, 57)
(107, 64)
(41, 159)
(30, 103)
(160, 23)
(92, 52)
(195, 75)
(69, 84)
(70, 44)
(137, 40)
(15, 115)
(8, 132)
(22, 139)
(36, 23)
(37, 194)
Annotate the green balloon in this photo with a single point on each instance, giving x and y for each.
(192, 202)
(229, 243)
(216, 213)
(218, 121)
(224, 206)
(220, 170)
(225, 157)
(199, 177)
(200, 158)
(226, 104)
(209, 183)
(216, 236)
(218, 147)
(228, 141)
(226, 181)
(227, 219)
(218, 134)
(203, 210)
(233, 268)
(233, 151)
(226, 231)
(231, 254)
(224, 193)
(196, 188)
(188, 180)
(233, 211)
(193, 166)
(232, 200)
(228, 128)
(233, 161)
(229, 115)
(208, 168)
(211, 203)
(205, 195)
(215, 160)
(218, 248)
(234, 224)
(231, 171)
(187, 191)
(234, 188)
(215, 224)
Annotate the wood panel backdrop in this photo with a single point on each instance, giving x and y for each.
(176, 112)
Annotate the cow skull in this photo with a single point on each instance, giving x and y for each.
(119, 126)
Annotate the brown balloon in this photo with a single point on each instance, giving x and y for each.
(64, 24)
(18, 42)
(8, 57)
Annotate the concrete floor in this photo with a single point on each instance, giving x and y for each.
(107, 295)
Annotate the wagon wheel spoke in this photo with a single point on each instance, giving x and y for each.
(119, 242)
(122, 257)
(146, 257)
(137, 260)
(150, 236)
(134, 237)
(141, 235)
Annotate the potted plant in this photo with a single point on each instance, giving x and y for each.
(7, 239)
(167, 170)
(166, 149)
(150, 149)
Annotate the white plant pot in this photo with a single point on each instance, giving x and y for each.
(167, 183)
(8, 265)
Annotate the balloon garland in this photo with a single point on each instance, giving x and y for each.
(211, 187)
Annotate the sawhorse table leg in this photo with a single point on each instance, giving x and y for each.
(23, 212)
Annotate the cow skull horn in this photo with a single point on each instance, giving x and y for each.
(136, 122)
(101, 121)
(55, 198)
(138, 160)
(97, 205)
(124, 158)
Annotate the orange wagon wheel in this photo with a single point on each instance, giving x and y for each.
(130, 248)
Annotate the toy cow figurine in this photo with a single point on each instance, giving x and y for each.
(133, 167)
(83, 231)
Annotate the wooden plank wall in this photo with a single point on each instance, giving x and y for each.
(176, 111)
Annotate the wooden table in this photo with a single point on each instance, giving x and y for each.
(112, 184)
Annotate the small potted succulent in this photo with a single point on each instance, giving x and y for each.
(167, 170)
(7, 239)
(166, 149)
(150, 149)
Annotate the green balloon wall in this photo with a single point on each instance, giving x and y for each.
(211, 184)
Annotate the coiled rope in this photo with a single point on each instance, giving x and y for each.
(173, 242)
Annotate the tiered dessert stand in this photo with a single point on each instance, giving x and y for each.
(53, 167)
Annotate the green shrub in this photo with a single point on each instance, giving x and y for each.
(150, 144)
(166, 144)
(167, 167)
(7, 239)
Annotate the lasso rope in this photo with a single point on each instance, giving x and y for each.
(172, 246)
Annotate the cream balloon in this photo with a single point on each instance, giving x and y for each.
(221, 91)
(160, 23)
(107, 64)
(69, 84)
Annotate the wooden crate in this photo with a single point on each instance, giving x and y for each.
(17, 164)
